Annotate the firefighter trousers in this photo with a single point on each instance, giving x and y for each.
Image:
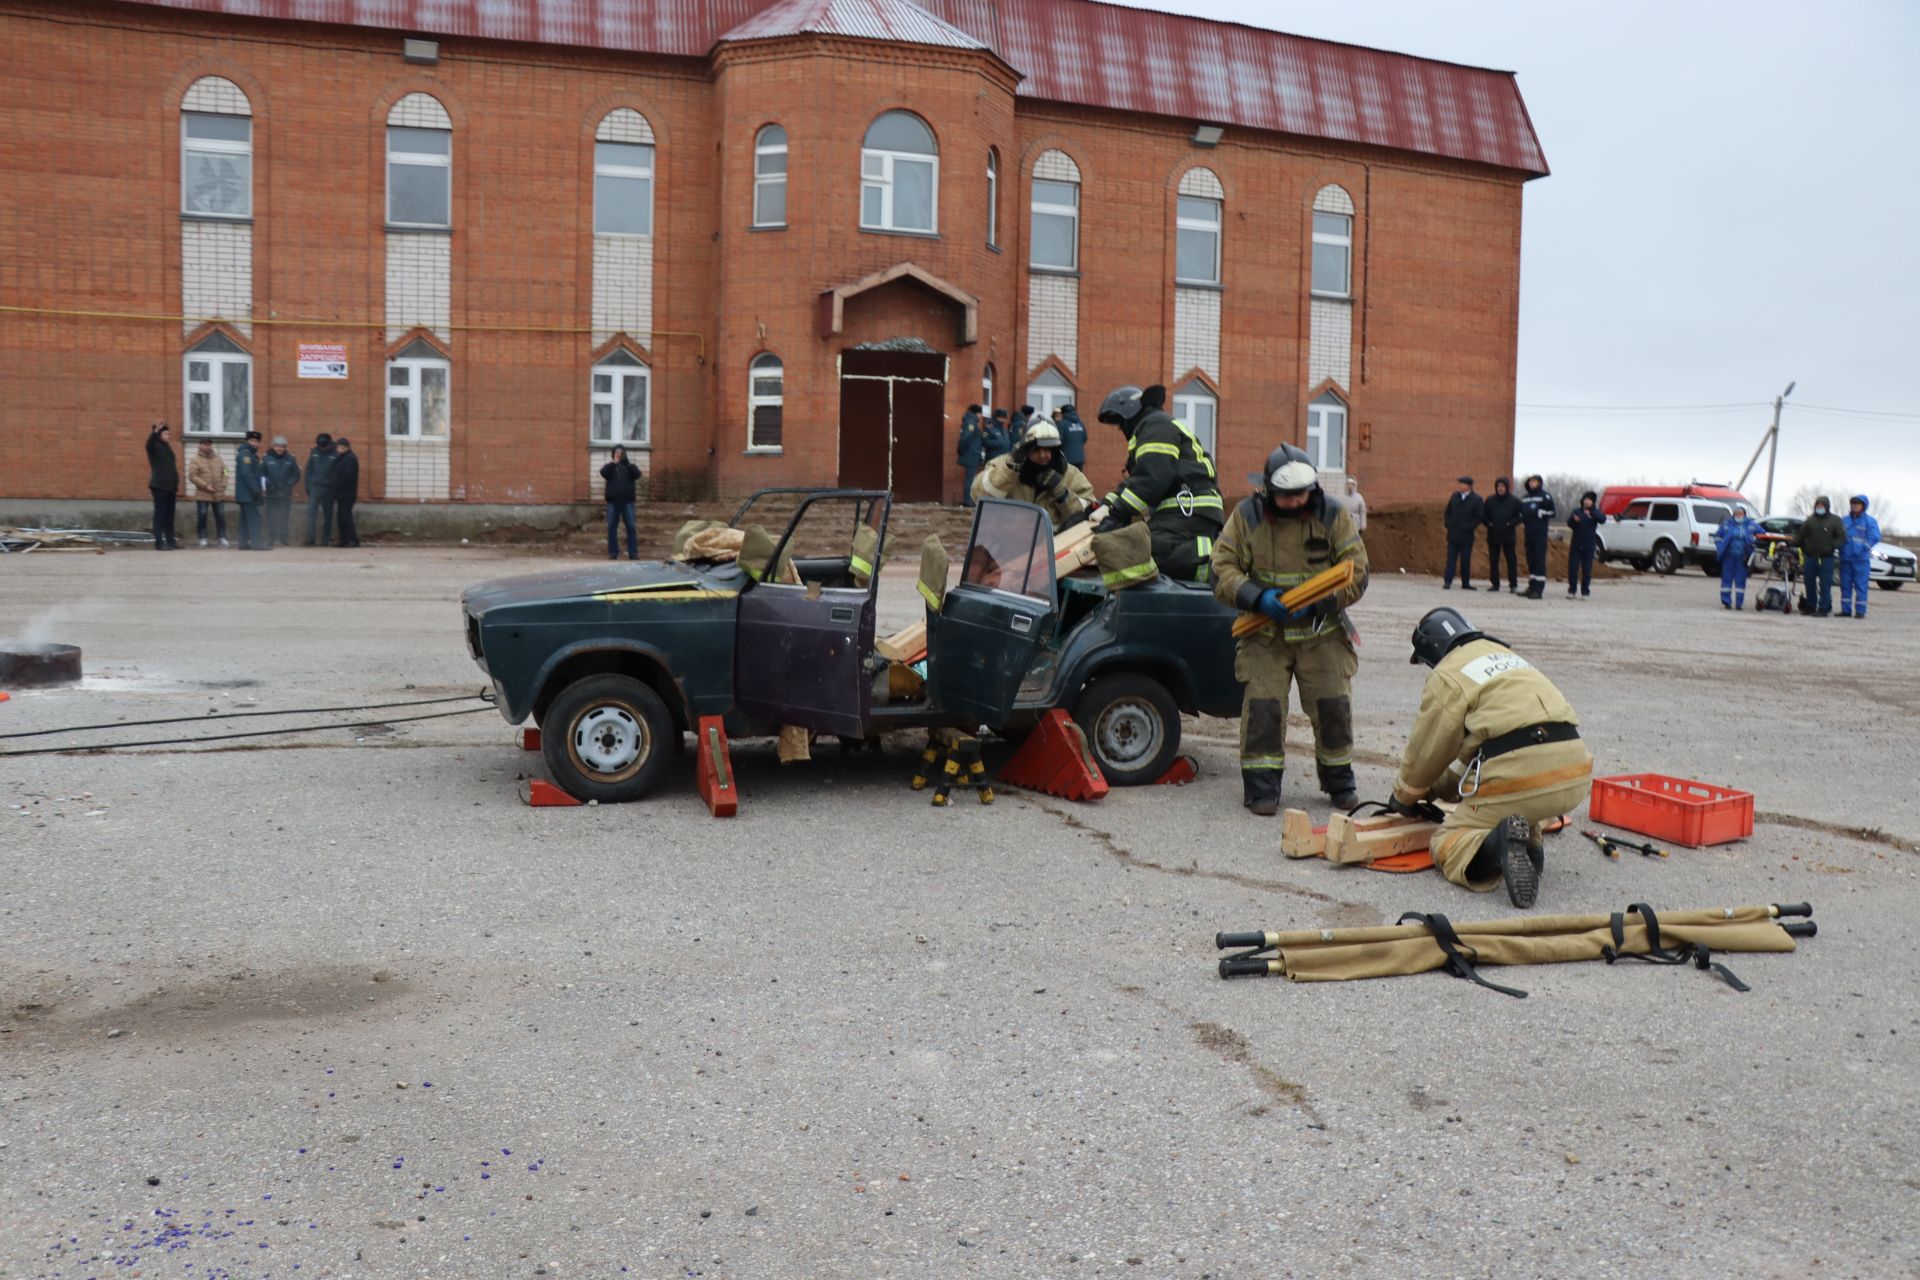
(1322, 668)
(1535, 783)
(1184, 549)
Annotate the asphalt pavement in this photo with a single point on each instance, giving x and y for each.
(338, 1004)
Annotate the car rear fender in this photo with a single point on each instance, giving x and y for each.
(617, 657)
(1092, 651)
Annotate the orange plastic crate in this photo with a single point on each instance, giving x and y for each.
(1675, 809)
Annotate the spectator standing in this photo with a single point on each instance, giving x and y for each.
(1503, 523)
(1073, 437)
(1856, 557)
(1356, 505)
(622, 479)
(970, 452)
(1466, 511)
(163, 482)
(1733, 543)
(1584, 527)
(250, 492)
(319, 496)
(994, 433)
(1821, 536)
(207, 476)
(1536, 517)
(1017, 429)
(344, 485)
(283, 473)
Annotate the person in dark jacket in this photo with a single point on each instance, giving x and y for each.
(319, 496)
(283, 473)
(250, 493)
(622, 479)
(1466, 512)
(344, 485)
(993, 432)
(970, 452)
(1584, 525)
(1017, 428)
(1503, 522)
(163, 482)
(1073, 437)
(1821, 536)
(1170, 483)
(1536, 518)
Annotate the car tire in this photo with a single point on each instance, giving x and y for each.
(1710, 567)
(1890, 586)
(1132, 726)
(1666, 558)
(607, 738)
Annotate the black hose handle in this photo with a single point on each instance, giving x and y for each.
(1801, 929)
(1243, 967)
(1225, 940)
(1793, 909)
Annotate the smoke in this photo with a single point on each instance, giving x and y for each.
(43, 628)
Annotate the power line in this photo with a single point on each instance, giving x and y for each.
(1858, 413)
(1647, 408)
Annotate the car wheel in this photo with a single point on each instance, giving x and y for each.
(1666, 558)
(1891, 586)
(607, 738)
(1710, 567)
(1132, 727)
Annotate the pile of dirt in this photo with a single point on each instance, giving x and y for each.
(1414, 540)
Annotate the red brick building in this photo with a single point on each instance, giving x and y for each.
(761, 243)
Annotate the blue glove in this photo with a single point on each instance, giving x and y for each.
(1270, 605)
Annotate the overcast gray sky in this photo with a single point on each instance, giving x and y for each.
(1734, 204)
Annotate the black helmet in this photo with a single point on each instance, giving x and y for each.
(1437, 633)
(1288, 470)
(1121, 407)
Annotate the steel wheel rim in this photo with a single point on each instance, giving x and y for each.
(610, 740)
(1128, 733)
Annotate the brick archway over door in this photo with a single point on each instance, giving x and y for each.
(893, 422)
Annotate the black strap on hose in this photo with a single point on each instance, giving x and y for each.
(1697, 954)
(1459, 957)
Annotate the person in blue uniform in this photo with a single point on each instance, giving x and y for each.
(1584, 526)
(1733, 544)
(1856, 557)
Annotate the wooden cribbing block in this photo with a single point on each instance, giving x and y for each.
(1073, 548)
(906, 645)
(1364, 839)
(1321, 585)
(1299, 838)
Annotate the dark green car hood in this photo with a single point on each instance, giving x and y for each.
(638, 578)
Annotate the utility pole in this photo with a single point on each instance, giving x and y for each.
(1773, 445)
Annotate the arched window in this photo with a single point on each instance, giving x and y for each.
(1327, 432)
(216, 150)
(1197, 406)
(623, 175)
(1333, 243)
(986, 391)
(418, 401)
(1055, 239)
(899, 175)
(766, 403)
(219, 383)
(770, 177)
(419, 163)
(1048, 392)
(993, 198)
(1197, 249)
(621, 387)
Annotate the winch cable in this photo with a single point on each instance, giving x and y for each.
(229, 737)
(485, 695)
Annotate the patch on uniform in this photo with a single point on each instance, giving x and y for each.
(1486, 667)
(1336, 723)
(1266, 726)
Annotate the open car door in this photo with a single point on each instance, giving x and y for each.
(993, 624)
(804, 630)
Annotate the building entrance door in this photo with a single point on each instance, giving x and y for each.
(892, 422)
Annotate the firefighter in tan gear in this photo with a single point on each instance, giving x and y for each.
(1037, 471)
(1494, 734)
(1276, 539)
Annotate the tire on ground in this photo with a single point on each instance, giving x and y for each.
(1132, 726)
(1666, 558)
(607, 738)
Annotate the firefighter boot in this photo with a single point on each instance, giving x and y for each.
(1337, 781)
(1260, 790)
(1517, 867)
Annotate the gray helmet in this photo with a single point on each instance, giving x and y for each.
(1121, 407)
(1288, 470)
(1437, 633)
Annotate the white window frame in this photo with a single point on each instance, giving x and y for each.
(883, 181)
(618, 372)
(986, 393)
(757, 368)
(1344, 240)
(213, 386)
(1188, 402)
(190, 145)
(764, 150)
(423, 160)
(410, 394)
(993, 198)
(1038, 208)
(1186, 222)
(1326, 420)
(1045, 396)
(608, 169)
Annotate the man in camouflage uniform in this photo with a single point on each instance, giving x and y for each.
(1278, 538)
(1170, 484)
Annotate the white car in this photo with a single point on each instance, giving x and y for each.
(1891, 567)
(1663, 533)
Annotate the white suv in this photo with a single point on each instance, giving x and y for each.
(1664, 533)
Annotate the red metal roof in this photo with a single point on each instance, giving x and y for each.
(1074, 51)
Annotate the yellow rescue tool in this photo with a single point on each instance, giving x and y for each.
(1312, 591)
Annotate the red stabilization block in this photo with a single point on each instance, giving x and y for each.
(715, 778)
(1055, 759)
(1183, 770)
(542, 794)
(530, 739)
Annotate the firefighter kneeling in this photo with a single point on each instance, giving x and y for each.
(1278, 538)
(1495, 735)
